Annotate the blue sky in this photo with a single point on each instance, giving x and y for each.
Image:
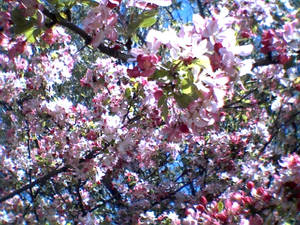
(185, 13)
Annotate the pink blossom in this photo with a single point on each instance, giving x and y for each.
(149, 4)
(18, 48)
(113, 3)
(147, 64)
(135, 72)
(256, 220)
(100, 24)
(283, 59)
(158, 94)
(291, 161)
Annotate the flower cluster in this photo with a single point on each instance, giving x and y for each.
(146, 66)
(100, 24)
(196, 127)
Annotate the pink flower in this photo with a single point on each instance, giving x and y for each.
(250, 185)
(91, 135)
(246, 34)
(200, 207)
(291, 161)
(256, 220)
(283, 59)
(135, 72)
(203, 200)
(158, 94)
(183, 128)
(221, 216)
(147, 64)
(113, 3)
(149, 4)
(215, 61)
(5, 20)
(17, 49)
(100, 24)
(49, 36)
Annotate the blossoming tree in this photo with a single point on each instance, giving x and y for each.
(118, 112)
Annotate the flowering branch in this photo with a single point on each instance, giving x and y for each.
(53, 173)
(39, 181)
(104, 49)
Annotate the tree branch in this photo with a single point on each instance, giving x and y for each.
(201, 9)
(40, 180)
(53, 173)
(80, 201)
(265, 62)
(107, 181)
(87, 38)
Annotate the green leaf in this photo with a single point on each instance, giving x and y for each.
(17, 15)
(159, 74)
(165, 111)
(146, 19)
(29, 34)
(245, 118)
(89, 3)
(63, 15)
(53, 2)
(135, 38)
(128, 93)
(220, 206)
(185, 83)
(203, 61)
(183, 100)
(254, 29)
(161, 101)
(37, 32)
(188, 90)
(187, 86)
(132, 183)
(148, 22)
(21, 23)
(147, 14)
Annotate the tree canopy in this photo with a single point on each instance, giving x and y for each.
(149, 112)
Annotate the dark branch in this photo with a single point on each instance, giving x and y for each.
(201, 9)
(87, 38)
(53, 173)
(40, 181)
(107, 181)
(265, 62)
(80, 201)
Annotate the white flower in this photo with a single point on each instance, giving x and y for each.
(276, 104)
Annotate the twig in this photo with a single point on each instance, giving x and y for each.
(201, 9)
(80, 198)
